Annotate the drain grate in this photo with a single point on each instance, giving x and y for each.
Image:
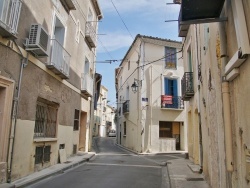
(195, 179)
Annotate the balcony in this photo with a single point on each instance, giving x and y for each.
(125, 107)
(174, 102)
(59, 60)
(97, 119)
(87, 85)
(198, 11)
(9, 17)
(90, 34)
(187, 86)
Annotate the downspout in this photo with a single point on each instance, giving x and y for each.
(92, 111)
(226, 101)
(198, 95)
(24, 63)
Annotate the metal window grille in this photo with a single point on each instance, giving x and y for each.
(42, 154)
(74, 149)
(46, 120)
(76, 120)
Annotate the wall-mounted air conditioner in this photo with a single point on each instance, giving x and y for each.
(177, 1)
(38, 41)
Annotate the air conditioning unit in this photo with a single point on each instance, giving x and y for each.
(177, 1)
(38, 41)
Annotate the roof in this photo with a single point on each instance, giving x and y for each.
(138, 36)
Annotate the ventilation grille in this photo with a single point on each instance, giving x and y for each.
(44, 40)
(33, 34)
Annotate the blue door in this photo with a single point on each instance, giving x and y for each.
(172, 90)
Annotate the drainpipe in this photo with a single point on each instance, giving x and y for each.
(24, 63)
(198, 95)
(92, 112)
(226, 101)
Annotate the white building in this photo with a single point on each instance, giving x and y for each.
(151, 119)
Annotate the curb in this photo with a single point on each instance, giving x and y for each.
(59, 171)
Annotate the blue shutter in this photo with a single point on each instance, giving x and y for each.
(166, 86)
(175, 87)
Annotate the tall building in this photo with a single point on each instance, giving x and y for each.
(47, 76)
(150, 110)
(216, 86)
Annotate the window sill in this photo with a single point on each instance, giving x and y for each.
(174, 109)
(45, 139)
(124, 135)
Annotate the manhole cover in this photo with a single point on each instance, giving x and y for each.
(194, 179)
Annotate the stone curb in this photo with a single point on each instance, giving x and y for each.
(58, 171)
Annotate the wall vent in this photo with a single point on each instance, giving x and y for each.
(38, 41)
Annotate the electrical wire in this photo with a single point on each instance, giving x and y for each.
(157, 60)
(122, 19)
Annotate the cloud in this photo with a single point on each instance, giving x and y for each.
(113, 42)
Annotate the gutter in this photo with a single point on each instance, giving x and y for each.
(24, 63)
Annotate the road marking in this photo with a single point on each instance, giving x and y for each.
(112, 154)
(123, 165)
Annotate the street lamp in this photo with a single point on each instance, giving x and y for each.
(135, 85)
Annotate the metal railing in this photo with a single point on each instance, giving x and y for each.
(60, 58)
(87, 83)
(169, 101)
(91, 33)
(125, 106)
(187, 85)
(9, 14)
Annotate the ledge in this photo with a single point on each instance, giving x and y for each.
(45, 139)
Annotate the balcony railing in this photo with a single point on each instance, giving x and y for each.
(87, 85)
(169, 101)
(125, 107)
(59, 60)
(9, 17)
(90, 34)
(187, 86)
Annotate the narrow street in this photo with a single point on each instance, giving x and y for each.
(114, 167)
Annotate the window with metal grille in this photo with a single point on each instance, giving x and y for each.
(165, 129)
(42, 154)
(170, 60)
(76, 120)
(74, 149)
(124, 128)
(46, 121)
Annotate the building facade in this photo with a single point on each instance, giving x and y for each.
(150, 111)
(215, 88)
(47, 77)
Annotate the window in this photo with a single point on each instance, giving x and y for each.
(124, 128)
(46, 120)
(170, 61)
(128, 65)
(42, 154)
(76, 120)
(165, 129)
(171, 87)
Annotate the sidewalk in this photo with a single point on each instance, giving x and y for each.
(184, 174)
(50, 171)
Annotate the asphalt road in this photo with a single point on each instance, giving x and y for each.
(113, 167)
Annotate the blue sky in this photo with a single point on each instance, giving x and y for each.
(145, 17)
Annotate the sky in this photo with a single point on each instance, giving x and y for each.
(122, 21)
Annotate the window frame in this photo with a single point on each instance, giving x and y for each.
(44, 154)
(76, 120)
(44, 117)
(170, 58)
(163, 129)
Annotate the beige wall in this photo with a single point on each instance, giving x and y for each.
(39, 81)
